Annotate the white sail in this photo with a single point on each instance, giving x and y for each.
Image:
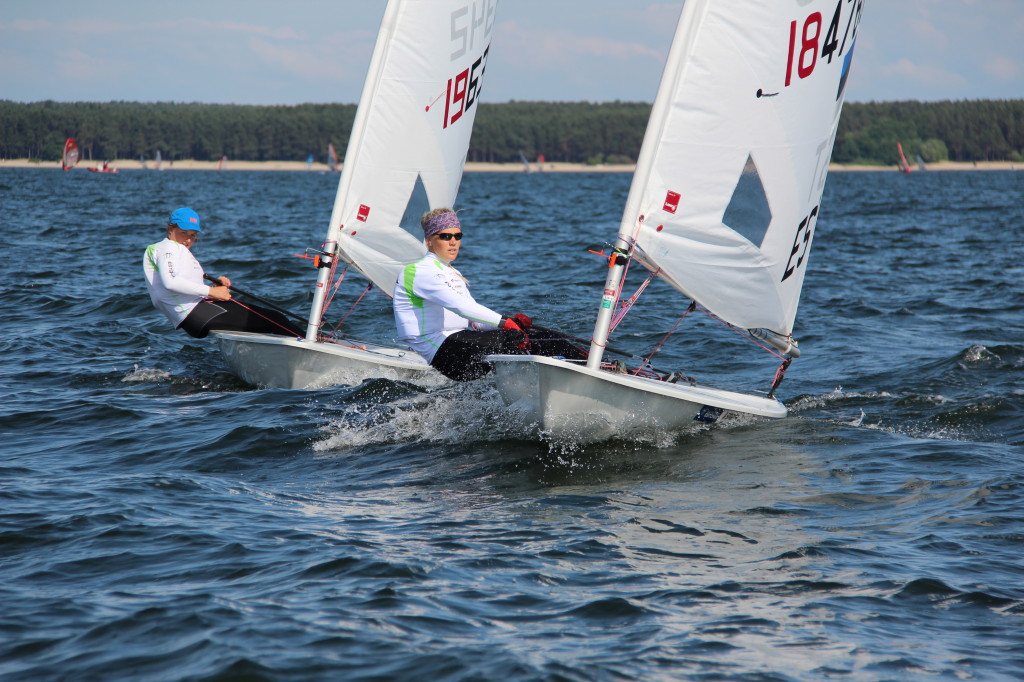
(405, 155)
(413, 126)
(726, 194)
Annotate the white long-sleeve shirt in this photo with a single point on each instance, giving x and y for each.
(432, 302)
(174, 278)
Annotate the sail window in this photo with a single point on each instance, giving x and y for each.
(748, 212)
(414, 210)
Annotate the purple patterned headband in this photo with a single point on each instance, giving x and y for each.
(442, 221)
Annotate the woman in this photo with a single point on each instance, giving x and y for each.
(437, 316)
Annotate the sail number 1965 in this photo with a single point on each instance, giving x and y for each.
(806, 45)
(471, 26)
(463, 90)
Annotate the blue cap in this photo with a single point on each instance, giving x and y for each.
(185, 219)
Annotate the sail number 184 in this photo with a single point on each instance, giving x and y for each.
(807, 46)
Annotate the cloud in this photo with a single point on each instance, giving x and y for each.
(927, 33)
(286, 34)
(301, 62)
(27, 25)
(923, 74)
(77, 66)
(527, 44)
(1002, 68)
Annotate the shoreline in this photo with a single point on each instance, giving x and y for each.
(471, 167)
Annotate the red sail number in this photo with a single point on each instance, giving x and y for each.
(807, 57)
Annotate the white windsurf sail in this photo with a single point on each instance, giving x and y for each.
(726, 194)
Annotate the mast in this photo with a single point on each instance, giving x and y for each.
(373, 76)
(631, 217)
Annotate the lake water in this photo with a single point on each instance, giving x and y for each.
(160, 520)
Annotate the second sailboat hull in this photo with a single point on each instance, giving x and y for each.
(567, 401)
(272, 361)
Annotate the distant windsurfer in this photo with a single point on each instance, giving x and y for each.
(437, 316)
(175, 281)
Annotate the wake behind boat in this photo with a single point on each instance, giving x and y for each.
(405, 156)
(722, 207)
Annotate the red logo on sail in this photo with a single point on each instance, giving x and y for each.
(671, 202)
(364, 212)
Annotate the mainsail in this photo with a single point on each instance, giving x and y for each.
(726, 195)
(904, 166)
(70, 156)
(412, 129)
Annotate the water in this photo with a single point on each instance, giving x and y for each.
(159, 520)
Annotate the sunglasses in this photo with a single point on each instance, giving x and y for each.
(448, 237)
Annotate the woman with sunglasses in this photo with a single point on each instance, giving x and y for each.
(437, 316)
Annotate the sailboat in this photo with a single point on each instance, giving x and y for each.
(722, 207)
(406, 154)
(332, 158)
(70, 155)
(526, 164)
(904, 167)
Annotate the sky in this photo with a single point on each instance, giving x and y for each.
(296, 51)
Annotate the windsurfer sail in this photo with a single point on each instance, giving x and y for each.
(70, 155)
(903, 165)
(332, 158)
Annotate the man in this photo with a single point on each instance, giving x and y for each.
(437, 316)
(175, 281)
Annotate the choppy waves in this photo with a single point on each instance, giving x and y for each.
(159, 519)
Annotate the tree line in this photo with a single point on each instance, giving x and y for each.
(575, 132)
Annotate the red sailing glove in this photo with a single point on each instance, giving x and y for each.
(509, 323)
(523, 321)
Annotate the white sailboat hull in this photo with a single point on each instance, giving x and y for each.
(272, 361)
(568, 401)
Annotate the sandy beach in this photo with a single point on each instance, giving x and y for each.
(471, 167)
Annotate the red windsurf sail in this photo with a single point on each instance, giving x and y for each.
(70, 157)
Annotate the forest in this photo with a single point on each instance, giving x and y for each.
(575, 132)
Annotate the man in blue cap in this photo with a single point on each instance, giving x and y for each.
(175, 281)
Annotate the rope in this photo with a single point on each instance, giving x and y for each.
(780, 373)
(273, 322)
(334, 287)
(647, 360)
(742, 333)
(365, 291)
